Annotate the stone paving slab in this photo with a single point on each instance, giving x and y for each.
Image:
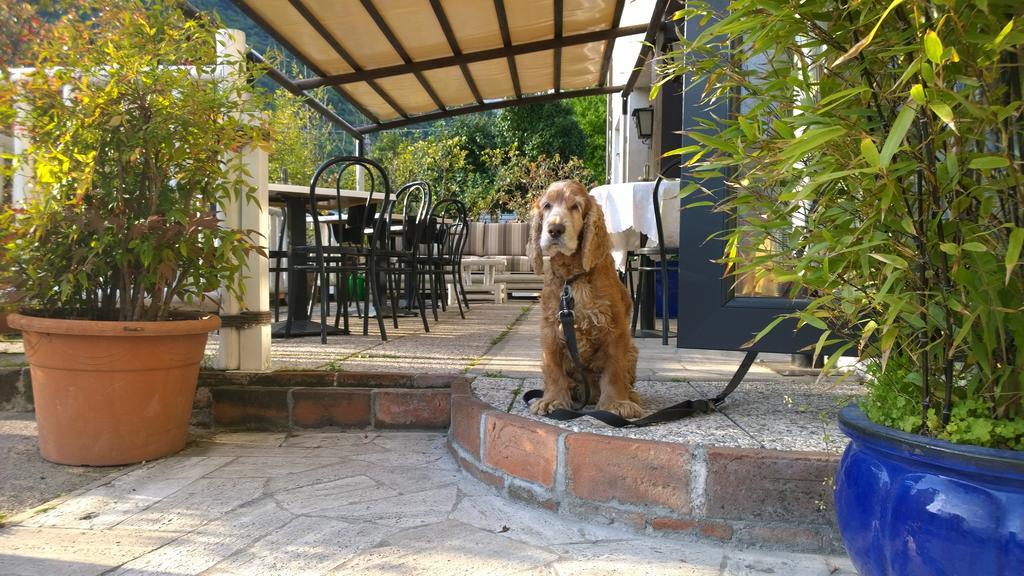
(349, 514)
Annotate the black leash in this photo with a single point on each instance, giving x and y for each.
(581, 399)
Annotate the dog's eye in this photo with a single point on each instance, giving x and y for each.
(546, 206)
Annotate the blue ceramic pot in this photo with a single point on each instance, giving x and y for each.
(909, 505)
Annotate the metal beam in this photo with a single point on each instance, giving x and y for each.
(289, 85)
(393, 40)
(259, 21)
(557, 80)
(506, 40)
(549, 97)
(470, 57)
(609, 47)
(645, 51)
(284, 81)
(453, 43)
(340, 51)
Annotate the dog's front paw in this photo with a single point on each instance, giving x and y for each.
(624, 408)
(547, 405)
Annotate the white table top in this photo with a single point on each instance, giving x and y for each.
(628, 206)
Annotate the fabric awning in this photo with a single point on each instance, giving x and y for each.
(401, 62)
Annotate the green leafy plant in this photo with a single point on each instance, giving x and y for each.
(873, 155)
(135, 141)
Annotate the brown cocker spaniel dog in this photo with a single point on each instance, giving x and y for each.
(568, 226)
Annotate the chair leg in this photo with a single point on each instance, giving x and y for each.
(421, 301)
(462, 287)
(377, 300)
(456, 288)
(664, 302)
(323, 305)
(636, 305)
(394, 281)
(433, 294)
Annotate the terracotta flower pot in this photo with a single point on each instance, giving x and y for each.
(109, 393)
(5, 327)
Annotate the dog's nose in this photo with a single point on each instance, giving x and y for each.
(556, 230)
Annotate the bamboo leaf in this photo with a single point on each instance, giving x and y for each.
(764, 331)
(949, 248)
(891, 259)
(860, 46)
(818, 346)
(812, 139)
(898, 132)
(933, 46)
(1013, 251)
(988, 163)
(869, 152)
(974, 247)
(917, 93)
(865, 335)
(945, 113)
(1003, 33)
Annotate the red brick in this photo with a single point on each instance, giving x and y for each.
(293, 379)
(480, 474)
(462, 385)
(372, 380)
(769, 485)
(787, 537)
(521, 447)
(716, 530)
(213, 378)
(433, 380)
(524, 494)
(203, 399)
(412, 408)
(673, 525)
(467, 412)
(319, 407)
(254, 408)
(604, 468)
(591, 510)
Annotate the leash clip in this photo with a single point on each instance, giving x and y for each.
(565, 311)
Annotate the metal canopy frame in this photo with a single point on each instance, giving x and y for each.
(356, 81)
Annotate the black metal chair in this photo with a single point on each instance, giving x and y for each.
(360, 240)
(651, 260)
(401, 262)
(446, 241)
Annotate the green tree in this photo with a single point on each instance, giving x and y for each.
(544, 129)
(440, 161)
(520, 178)
(299, 139)
(592, 115)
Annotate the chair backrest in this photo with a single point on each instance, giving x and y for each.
(413, 199)
(360, 217)
(656, 199)
(450, 226)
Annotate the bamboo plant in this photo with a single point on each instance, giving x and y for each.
(880, 145)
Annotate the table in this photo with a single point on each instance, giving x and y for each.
(488, 267)
(628, 213)
(296, 198)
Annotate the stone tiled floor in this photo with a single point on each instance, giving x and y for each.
(341, 503)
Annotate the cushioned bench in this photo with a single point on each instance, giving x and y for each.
(507, 241)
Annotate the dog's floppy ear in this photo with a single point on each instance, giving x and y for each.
(596, 242)
(533, 251)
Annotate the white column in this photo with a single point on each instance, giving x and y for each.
(248, 348)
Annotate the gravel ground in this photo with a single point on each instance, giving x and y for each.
(26, 480)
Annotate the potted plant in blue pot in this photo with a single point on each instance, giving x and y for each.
(875, 155)
(134, 145)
